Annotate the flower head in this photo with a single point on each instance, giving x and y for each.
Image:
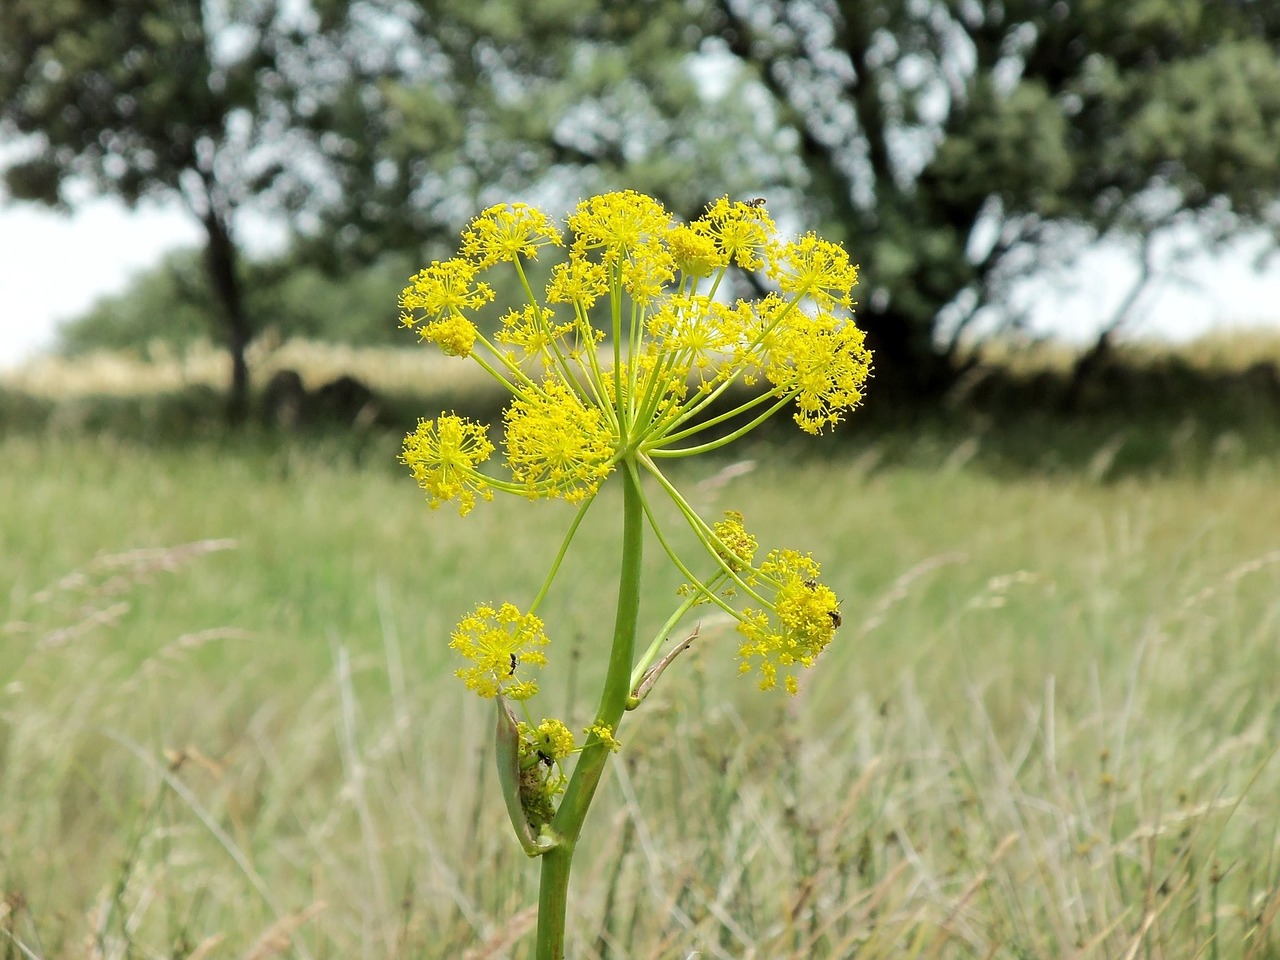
(604, 733)
(579, 281)
(501, 645)
(738, 546)
(445, 287)
(507, 231)
(532, 328)
(619, 225)
(453, 333)
(443, 455)
(741, 231)
(557, 445)
(695, 251)
(805, 616)
(815, 268)
(823, 361)
(553, 739)
(695, 335)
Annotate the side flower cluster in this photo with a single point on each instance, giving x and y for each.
(541, 779)
(789, 616)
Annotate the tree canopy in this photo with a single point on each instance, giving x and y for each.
(958, 144)
(146, 98)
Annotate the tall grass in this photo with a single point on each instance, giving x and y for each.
(228, 726)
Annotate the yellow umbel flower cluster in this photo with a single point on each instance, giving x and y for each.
(443, 455)
(807, 614)
(501, 645)
(669, 326)
(626, 357)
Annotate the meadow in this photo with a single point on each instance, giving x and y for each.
(1048, 726)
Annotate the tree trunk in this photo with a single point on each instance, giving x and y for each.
(220, 261)
(910, 374)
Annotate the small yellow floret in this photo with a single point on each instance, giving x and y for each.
(557, 445)
(507, 231)
(445, 287)
(532, 328)
(741, 231)
(739, 546)
(824, 362)
(554, 739)
(443, 455)
(815, 268)
(695, 251)
(501, 644)
(618, 224)
(807, 614)
(578, 280)
(453, 333)
(604, 733)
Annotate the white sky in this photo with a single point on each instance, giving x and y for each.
(54, 266)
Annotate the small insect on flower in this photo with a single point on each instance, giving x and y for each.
(515, 662)
(754, 202)
(836, 619)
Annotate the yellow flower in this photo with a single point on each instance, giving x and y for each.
(807, 614)
(741, 231)
(815, 268)
(443, 455)
(694, 333)
(533, 329)
(444, 287)
(824, 362)
(556, 444)
(453, 333)
(507, 231)
(577, 281)
(553, 739)
(695, 251)
(618, 224)
(646, 273)
(501, 644)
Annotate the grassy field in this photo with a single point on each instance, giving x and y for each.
(228, 725)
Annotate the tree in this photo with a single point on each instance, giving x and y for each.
(193, 99)
(958, 144)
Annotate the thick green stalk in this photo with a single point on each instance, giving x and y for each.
(553, 892)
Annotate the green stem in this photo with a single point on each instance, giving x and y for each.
(651, 654)
(564, 548)
(553, 891)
